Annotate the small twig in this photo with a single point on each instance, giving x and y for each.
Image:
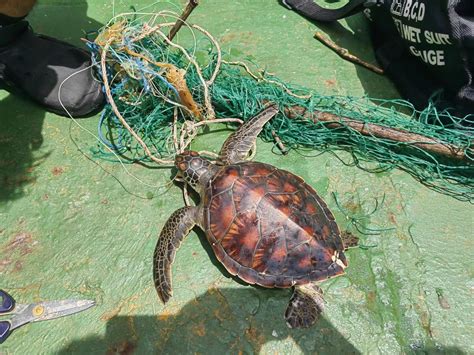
(279, 143)
(344, 53)
(182, 19)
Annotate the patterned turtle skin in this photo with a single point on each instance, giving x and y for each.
(265, 225)
(270, 228)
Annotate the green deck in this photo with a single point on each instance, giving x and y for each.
(73, 227)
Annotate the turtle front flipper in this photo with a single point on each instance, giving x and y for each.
(305, 307)
(177, 227)
(238, 145)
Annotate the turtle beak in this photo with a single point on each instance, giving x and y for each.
(178, 175)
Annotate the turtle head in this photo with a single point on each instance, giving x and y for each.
(194, 169)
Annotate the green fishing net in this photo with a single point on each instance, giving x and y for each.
(151, 105)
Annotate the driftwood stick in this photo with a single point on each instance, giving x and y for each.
(429, 145)
(344, 53)
(182, 19)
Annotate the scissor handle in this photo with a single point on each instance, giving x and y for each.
(5, 327)
(7, 303)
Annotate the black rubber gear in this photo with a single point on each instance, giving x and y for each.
(36, 65)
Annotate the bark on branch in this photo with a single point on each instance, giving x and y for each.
(429, 145)
(182, 19)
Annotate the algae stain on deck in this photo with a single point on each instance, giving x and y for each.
(15, 253)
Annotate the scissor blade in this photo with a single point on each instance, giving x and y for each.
(57, 309)
(40, 311)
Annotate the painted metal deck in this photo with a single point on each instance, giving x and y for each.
(75, 227)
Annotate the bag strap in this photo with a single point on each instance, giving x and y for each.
(309, 9)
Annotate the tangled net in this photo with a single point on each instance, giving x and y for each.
(161, 92)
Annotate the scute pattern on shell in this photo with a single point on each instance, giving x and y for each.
(269, 227)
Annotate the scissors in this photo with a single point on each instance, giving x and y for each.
(22, 314)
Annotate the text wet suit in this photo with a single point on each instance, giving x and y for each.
(426, 47)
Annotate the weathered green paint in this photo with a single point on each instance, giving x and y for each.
(71, 227)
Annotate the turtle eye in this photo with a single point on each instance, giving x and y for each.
(182, 166)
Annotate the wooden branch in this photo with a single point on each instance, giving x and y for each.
(427, 144)
(182, 19)
(344, 53)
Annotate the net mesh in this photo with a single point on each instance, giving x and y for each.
(166, 92)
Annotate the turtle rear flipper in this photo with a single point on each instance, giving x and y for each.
(238, 145)
(177, 227)
(305, 307)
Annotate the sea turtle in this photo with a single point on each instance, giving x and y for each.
(265, 225)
